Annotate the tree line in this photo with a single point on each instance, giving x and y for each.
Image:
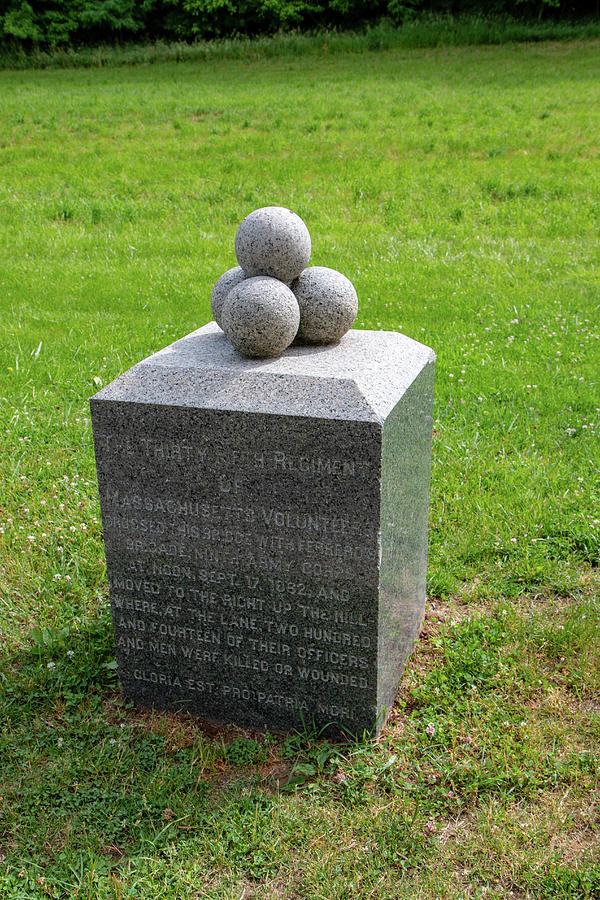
(58, 23)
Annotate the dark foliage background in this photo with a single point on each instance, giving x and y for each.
(58, 23)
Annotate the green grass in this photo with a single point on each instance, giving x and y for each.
(459, 189)
(425, 30)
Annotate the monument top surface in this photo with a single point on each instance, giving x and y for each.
(361, 378)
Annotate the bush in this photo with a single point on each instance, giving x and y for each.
(48, 24)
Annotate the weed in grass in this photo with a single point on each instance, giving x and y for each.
(245, 752)
(572, 883)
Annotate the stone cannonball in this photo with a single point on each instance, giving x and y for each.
(223, 285)
(260, 317)
(328, 305)
(273, 241)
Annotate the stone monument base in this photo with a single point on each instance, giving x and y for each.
(265, 525)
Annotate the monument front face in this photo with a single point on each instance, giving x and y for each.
(265, 531)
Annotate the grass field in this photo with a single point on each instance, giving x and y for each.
(460, 190)
(425, 30)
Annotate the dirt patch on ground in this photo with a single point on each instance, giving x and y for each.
(180, 729)
(276, 774)
(572, 825)
(551, 826)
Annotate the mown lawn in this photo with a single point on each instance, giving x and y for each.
(460, 191)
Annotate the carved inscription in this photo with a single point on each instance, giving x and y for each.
(219, 457)
(222, 594)
(262, 627)
(233, 692)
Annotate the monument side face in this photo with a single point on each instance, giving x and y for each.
(242, 556)
(267, 568)
(406, 467)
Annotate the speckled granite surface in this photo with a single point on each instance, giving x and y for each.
(260, 317)
(328, 305)
(273, 241)
(265, 525)
(222, 286)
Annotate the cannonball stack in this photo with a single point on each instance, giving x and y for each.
(271, 298)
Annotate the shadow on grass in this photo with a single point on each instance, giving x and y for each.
(96, 793)
(79, 775)
(91, 785)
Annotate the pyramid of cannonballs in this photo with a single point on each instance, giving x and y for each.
(271, 298)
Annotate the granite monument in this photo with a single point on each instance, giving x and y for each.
(265, 525)
(265, 519)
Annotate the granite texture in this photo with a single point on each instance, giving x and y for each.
(260, 317)
(223, 285)
(273, 241)
(404, 523)
(328, 305)
(265, 526)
